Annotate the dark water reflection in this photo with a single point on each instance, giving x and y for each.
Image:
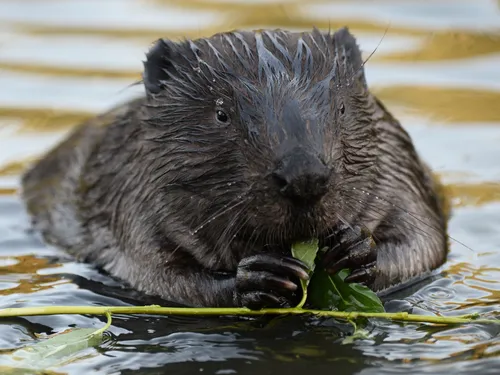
(437, 69)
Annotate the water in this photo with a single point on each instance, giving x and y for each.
(438, 70)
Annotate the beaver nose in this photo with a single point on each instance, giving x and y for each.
(302, 176)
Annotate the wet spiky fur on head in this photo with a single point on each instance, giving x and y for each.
(281, 91)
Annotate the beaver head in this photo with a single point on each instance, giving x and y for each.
(262, 135)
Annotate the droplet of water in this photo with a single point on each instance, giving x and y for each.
(439, 293)
(219, 101)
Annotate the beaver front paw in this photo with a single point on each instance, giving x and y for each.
(269, 280)
(356, 251)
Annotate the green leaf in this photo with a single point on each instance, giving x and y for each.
(53, 352)
(358, 334)
(332, 292)
(306, 252)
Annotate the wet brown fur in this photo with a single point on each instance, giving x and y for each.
(160, 194)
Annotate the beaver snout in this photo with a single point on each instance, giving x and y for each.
(301, 176)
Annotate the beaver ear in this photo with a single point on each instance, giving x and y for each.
(156, 67)
(347, 49)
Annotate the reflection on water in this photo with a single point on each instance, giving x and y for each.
(437, 69)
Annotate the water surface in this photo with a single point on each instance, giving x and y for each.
(437, 69)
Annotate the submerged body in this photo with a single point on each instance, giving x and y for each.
(243, 144)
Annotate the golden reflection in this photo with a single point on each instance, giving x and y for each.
(27, 264)
(460, 268)
(449, 45)
(464, 339)
(251, 21)
(145, 36)
(473, 194)
(244, 15)
(15, 168)
(470, 272)
(438, 45)
(482, 350)
(472, 350)
(45, 119)
(493, 295)
(25, 274)
(457, 105)
(60, 71)
(8, 370)
(8, 191)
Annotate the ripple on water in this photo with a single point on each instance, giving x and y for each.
(437, 69)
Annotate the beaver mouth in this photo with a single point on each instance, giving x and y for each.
(327, 238)
(302, 225)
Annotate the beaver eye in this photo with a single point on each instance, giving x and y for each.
(342, 108)
(221, 116)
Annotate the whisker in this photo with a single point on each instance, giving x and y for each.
(227, 235)
(241, 226)
(222, 240)
(377, 197)
(386, 210)
(378, 45)
(409, 213)
(414, 216)
(384, 217)
(345, 222)
(225, 208)
(372, 53)
(248, 243)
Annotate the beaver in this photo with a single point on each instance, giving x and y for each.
(243, 143)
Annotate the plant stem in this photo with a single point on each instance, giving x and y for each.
(100, 331)
(157, 310)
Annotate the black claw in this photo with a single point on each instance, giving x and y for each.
(282, 265)
(263, 280)
(269, 280)
(339, 265)
(365, 275)
(332, 255)
(354, 250)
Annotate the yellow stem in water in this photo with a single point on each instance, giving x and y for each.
(108, 324)
(158, 310)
